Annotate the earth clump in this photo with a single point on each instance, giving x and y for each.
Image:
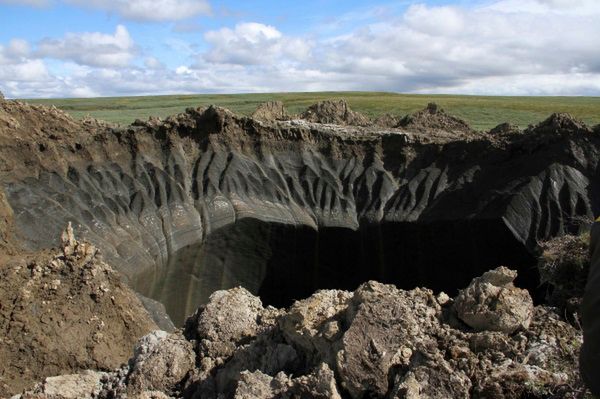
(336, 112)
(434, 118)
(386, 342)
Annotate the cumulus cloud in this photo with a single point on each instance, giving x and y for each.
(493, 47)
(450, 49)
(252, 44)
(149, 10)
(93, 48)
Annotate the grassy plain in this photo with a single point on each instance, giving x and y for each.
(481, 112)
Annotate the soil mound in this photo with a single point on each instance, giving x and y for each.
(560, 123)
(271, 111)
(564, 267)
(387, 121)
(434, 118)
(504, 128)
(334, 112)
(63, 311)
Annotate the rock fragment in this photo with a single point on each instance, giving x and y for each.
(492, 303)
(87, 384)
(226, 321)
(161, 362)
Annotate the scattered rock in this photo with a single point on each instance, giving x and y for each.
(257, 385)
(492, 303)
(378, 341)
(271, 111)
(433, 118)
(334, 112)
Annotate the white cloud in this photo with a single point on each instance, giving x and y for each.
(497, 47)
(253, 44)
(93, 48)
(31, 3)
(150, 10)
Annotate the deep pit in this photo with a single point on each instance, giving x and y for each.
(283, 263)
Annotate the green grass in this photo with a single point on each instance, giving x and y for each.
(481, 112)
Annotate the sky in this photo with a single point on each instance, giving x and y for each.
(92, 48)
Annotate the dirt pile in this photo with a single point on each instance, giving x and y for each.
(62, 311)
(387, 121)
(334, 112)
(560, 123)
(377, 341)
(564, 266)
(271, 111)
(433, 118)
(504, 128)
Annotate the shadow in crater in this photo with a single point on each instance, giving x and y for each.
(282, 263)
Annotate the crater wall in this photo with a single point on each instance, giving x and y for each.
(152, 195)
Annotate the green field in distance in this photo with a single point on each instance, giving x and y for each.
(482, 112)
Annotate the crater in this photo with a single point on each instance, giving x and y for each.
(208, 200)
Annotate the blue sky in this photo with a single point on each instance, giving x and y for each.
(82, 48)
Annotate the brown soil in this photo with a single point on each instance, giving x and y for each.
(63, 311)
(271, 111)
(334, 112)
(433, 118)
(387, 120)
(504, 128)
(560, 123)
